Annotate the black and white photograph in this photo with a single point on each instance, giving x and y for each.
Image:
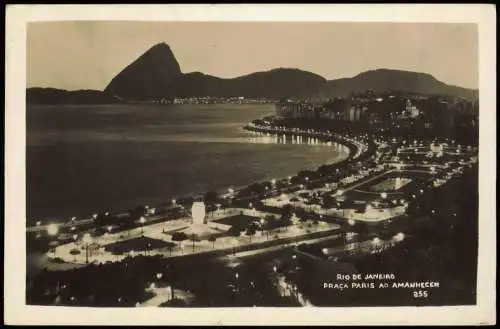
(179, 164)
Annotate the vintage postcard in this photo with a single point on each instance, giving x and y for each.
(250, 164)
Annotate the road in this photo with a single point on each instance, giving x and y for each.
(281, 246)
(44, 228)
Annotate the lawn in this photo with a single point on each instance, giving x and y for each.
(241, 221)
(409, 183)
(137, 244)
(391, 184)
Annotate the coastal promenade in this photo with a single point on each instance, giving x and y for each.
(356, 147)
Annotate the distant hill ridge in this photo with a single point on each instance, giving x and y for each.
(157, 74)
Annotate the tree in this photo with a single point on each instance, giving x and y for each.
(212, 239)
(251, 232)
(210, 197)
(185, 201)
(234, 231)
(137, 212)
(325, 169)
(172, 277)
(256, 188)
(286, 220)
(328, 202)
(315, 223)
(194, 237)
(270, 222)
(179, 237)
(287, 210)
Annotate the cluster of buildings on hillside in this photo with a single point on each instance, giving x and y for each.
(339, 109)
(376, 110)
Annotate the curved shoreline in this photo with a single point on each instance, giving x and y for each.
(356, 149)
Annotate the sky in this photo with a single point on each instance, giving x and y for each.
(88, 54)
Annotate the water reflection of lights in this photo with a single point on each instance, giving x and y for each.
(269, 138)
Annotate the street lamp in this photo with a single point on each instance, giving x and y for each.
(262, 222)
(236, 275)
(142, 220)
(52, 229)
(87, 240)
(376, 243)
(75, 237)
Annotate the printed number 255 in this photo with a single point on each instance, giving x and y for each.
(420, 294)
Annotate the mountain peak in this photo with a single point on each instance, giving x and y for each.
(161, 50)
(147, 76)
(160, 46)
(383, 79)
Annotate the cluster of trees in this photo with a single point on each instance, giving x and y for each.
(124, 284)
(182, 236)
(105, 285)
(270, 223)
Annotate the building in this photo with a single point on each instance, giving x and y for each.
(342, 109)
(354, 113)
(411, 111)
(297, 110)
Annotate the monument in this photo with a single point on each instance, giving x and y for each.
(198, 222)
(198, 213)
